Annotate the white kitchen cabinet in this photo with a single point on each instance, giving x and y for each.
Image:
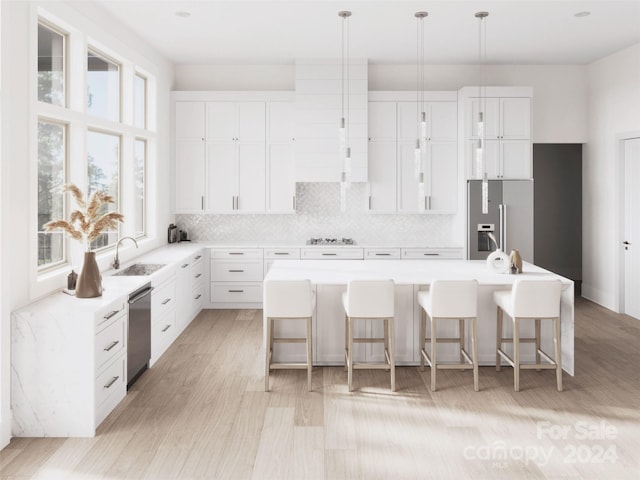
(189, 289)
(431, 253)
(280, 168)
(236, 277)
(68, 365)
(273, 254)
(164, 327)
(189, 156)
(382, 253)
(507, 132)
(235, 165)
(393, 185)
(331, 253)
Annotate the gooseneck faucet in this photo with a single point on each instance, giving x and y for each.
(116, 261)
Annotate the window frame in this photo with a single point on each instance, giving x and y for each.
(145, 111)
(92, 48)
(145, 198)
(48, 24)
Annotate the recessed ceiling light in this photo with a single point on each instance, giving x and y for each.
(183, 14)
(582, 14)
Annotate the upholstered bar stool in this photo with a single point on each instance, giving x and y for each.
(530, 300)
(449, 300)
(287, 300)
(370, 300)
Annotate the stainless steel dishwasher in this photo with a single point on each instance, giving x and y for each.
(139, 335)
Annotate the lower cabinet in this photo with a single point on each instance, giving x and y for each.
(236, 277)
(163, 318)
(79, 376)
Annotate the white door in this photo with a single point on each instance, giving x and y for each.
(515, 118)
(407, 182)
(491, 117)
(221, 122)
(189, 163)
(443, 176)
(382, 177)
(189, 120)
(281, 182)
(382, 121)
(632, 227)
(443, 121)
(491, 154)
(251, 122)
(515, 159)
(222, 186)
(251, 178)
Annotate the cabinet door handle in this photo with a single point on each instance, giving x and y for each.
(110, 314)
(233, 202)
(294, 202)
(202, 202)
(236, 253)
(198, 275)
(113, 344)
(329, 254)
(431, 254)
(383, 254)
(198, 297)
(198, 257)
(166, 300)
(236, 291)
(185, 265)
(112, 381)
(280, 253)
(369, 202)
(166, 328)
(236, 271)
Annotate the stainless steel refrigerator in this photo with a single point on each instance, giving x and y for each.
(509, 218)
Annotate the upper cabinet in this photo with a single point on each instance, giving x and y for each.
(233, 152)
(507, 132)
(393, 131)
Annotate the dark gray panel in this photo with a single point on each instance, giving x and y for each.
(475, 215)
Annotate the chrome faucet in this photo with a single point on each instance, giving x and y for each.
(116, 261)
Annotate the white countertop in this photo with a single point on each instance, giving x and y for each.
(414, 272)
(289, 244)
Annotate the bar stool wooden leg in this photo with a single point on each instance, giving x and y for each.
(461, 338)
(434, 358)
(267, 361)
(350, 355)
(423, 336)
(392, 353)
(346, 343)
(474, 352)
(516, 354)
(498, 337)
(385, 329)
(537, 321)
(556, 344)
(309, 353)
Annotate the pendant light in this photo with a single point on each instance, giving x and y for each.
(345, 149)
(480, 150)
(421, 123)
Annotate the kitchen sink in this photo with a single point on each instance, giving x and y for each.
(140, 269)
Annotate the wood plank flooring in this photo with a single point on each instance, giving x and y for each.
(201, 413)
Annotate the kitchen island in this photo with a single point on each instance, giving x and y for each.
(330, 279)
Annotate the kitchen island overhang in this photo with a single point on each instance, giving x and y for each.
(330, 279)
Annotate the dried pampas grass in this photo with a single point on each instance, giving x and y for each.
(86, 224)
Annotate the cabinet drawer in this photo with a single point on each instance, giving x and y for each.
(281, 253)
(235, 254)
(382, 253)
(163, 299)
(110, 341)
(236, 292)
(197, 297)
(104, 315)
(111, 381)
(163, 332)
(241, 271)
(431, 254)
(332, 253)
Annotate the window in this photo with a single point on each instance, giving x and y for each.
(51, 177)
(103, 173)
(140, 100)
(140, 160)
(51, 68)
(103, 87)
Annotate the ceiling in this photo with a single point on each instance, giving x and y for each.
(266, 32)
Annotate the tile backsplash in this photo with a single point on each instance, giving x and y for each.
(318, 215)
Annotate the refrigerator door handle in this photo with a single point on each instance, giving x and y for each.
(501, 216)
(504, 226)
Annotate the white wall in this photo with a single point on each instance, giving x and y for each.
(17, 164)
(614, 109)
(560, 91)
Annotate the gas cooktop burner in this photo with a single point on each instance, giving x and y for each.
(330, 241)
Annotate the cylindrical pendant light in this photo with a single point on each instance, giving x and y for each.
(345, 149)
(480, 150)
(421, 121)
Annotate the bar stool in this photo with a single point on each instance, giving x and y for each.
(530, 300)
(370, 300)
(286, 300)
(449, 300)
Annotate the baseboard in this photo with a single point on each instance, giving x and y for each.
(595, 295)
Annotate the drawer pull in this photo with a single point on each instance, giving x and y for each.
(236, 253)
(112, 381)
(166, 328)
(110, 314)
(236, 271)
(198, 297)
(236, 291)
(431, 254)
(329, 254)
(281, 253)
(198, 257)
(167, 300)
(110, 347)
(383, 254)
(198, 275)
(185, 265)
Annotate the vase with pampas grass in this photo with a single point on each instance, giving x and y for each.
(86, 224)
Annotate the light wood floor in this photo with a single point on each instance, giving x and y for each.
(201, 412)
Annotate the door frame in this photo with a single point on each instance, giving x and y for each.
(620, 159)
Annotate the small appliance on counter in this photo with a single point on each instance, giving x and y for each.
(183, 236)
(331, 241)
(172, 234)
